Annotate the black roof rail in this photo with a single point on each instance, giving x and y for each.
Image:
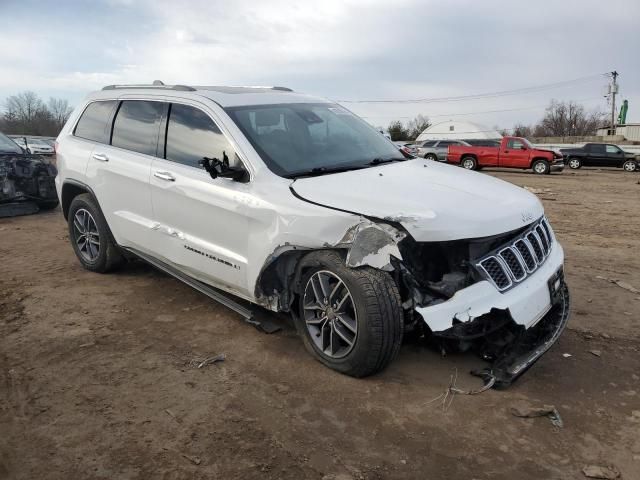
(157, 85)
(284, 89)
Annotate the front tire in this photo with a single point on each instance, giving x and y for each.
(469, 163)
(431, 156)
(575, 163)
(541, 167)
(630, 166)
(90, 236)
(350, 319)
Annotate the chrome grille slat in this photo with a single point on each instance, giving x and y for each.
(512, 263)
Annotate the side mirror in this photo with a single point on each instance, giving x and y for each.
(221, 168)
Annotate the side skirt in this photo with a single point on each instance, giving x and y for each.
(201, 287)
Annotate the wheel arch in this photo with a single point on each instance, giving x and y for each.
(536, 159)
(278, 285)
(70, 190)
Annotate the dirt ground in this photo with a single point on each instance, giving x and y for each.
(96, 375)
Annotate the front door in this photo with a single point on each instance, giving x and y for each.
(201, 227)
(615, 156)
(515, 155)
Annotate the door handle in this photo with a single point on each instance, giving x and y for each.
(101, 157)
(166, 176)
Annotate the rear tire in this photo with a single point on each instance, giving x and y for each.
(575, 163)
(541, 167)
(469, 163)
(362, 306)
(630, 166)
(91, 237)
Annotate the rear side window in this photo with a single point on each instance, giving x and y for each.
(93, 122)
(596, 148)
(136, 126)
(192, 135)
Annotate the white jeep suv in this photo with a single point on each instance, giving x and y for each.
(295, 204)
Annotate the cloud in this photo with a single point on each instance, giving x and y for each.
(345, 49)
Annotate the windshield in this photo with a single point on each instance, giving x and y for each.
(303, 138)
(8, 146)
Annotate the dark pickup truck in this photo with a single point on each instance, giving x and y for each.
(600, 155)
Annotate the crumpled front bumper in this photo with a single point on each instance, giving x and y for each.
(527, 303)
(537, 310)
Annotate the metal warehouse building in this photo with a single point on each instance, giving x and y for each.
(454, 130)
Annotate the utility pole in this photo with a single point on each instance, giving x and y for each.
(614, 90)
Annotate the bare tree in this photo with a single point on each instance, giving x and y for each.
(24, 107)
(60, 111)
(566, 119)
(416, 126)
(521, 130)
(26, 113)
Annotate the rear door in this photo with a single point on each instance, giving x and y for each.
(515, 154)
(120, 171)
(201, 224)
(597, 156)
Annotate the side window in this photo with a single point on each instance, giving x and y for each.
(93, 122)
(612, 149)
(515, 144)
(192, 135)
(596, 148)
(136, 126)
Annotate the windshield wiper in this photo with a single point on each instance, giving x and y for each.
(378, 161)
(312, 172)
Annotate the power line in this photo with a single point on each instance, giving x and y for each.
(502, 93)
(477, 113)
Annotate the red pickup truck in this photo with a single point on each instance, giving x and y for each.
(513, 152)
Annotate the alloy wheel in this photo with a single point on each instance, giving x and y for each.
(329, 314)
(86, 235)
(468, 164)
(540, 167)
(630, 166)
(573, 163)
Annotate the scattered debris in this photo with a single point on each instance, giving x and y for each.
(595, 471)
(448, 394)
(172, 415)
(566, 355)
(620, 283)
(544, 411)
(193, 459)
(595, 352)
(211, 360)
(539, 191)
(198, 363)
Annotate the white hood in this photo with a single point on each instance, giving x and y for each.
(433, 201)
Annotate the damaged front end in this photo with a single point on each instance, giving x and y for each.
(26, 184)
(503, 297)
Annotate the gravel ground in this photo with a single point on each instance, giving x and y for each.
(97, 381)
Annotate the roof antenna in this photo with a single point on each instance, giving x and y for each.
(158, 82)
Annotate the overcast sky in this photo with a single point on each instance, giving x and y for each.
(340, 49)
